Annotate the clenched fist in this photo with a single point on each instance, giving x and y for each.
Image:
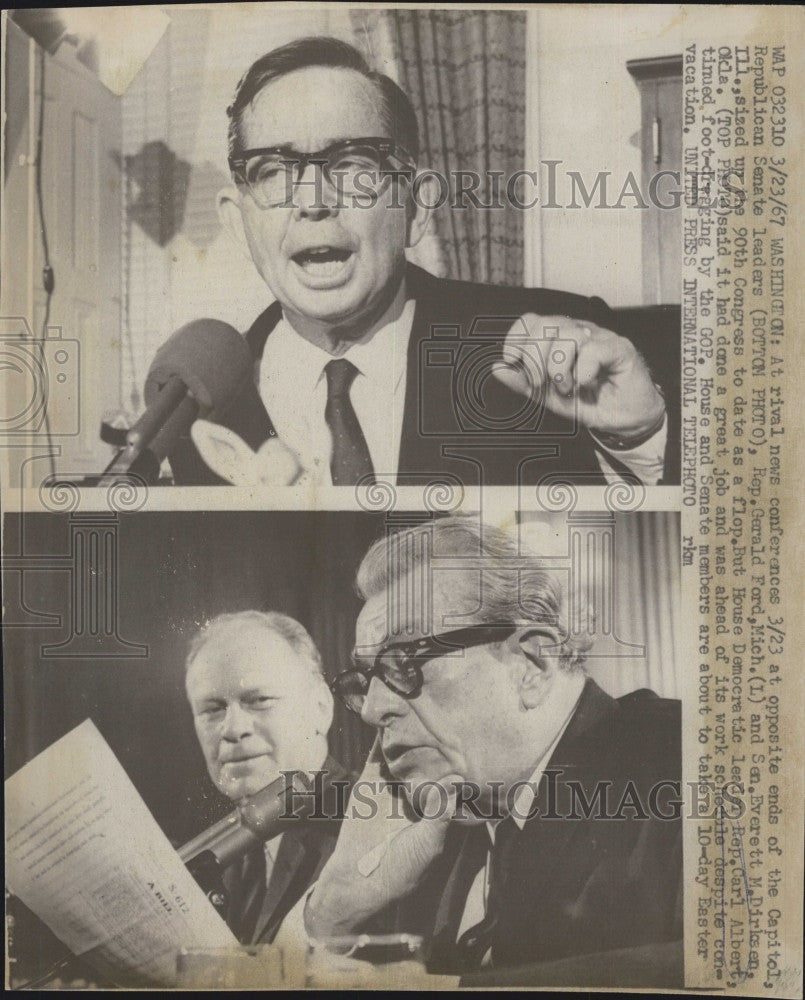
(585, 371)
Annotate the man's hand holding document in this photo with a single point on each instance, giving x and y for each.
(86, 855)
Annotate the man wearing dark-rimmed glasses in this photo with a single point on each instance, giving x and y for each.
(328, 193)
(547, 829)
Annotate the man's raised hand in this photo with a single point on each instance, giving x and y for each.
(228, 455)
(382, 853)
(585, 372)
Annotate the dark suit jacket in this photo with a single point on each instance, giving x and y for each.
(587, 900)
(457, 420)
(301, 856)
(303, 851)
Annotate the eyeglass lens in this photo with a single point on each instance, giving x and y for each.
(356, 169)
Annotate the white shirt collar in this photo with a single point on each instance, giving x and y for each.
(377, 358)
(293, 387)
(271, 849)
(382, 359)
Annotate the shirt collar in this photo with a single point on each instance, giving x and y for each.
(382, 358)
(291, 362)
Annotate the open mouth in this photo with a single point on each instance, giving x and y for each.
(323, 261)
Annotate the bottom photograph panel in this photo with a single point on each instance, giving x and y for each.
(343, 750)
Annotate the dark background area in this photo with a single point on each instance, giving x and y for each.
(175, 572)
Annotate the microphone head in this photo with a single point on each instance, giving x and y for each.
(210, 357)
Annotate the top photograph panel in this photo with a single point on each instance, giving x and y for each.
(277, 247)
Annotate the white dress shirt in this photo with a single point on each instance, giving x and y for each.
(271, 850)
(293, 387)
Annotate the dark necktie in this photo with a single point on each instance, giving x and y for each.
(350, 459)
(247, 903)
(476, 941)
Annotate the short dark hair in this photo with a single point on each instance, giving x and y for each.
(396, 110)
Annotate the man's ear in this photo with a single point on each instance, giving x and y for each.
(424, 196)
(324, 709)
(541, 666)
(228, 203)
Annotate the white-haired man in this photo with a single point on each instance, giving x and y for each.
(547, 826)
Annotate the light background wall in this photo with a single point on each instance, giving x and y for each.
(586, 109)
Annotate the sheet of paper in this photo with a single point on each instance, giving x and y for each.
(86, 855)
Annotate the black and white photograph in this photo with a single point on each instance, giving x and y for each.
(400, 449)
(321, 246)
(331, 677)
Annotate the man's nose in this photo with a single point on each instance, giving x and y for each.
(314, 197)
(381, 704)
(237, 723)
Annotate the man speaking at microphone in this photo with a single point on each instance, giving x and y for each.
(544, 845)
(261, 707)
(328, 193)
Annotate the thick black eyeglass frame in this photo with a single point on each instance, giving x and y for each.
(385, 149)
(414, 654)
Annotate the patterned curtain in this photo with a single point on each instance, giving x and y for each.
(647, 594)
(644, 589)
(465, 73)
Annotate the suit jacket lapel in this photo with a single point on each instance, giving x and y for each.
(472, 848)
(302, 852)
(577, 755)
(290, 858)
(257, 334)
(418, 452)
(247, 416)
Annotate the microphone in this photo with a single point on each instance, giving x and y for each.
(292, 797)
(199, 370)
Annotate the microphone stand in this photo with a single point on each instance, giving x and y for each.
(149, 439)
(146, 441)
(257, 819)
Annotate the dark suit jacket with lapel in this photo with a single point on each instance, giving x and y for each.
(303, 851)
(457, 420)
(587, 900)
